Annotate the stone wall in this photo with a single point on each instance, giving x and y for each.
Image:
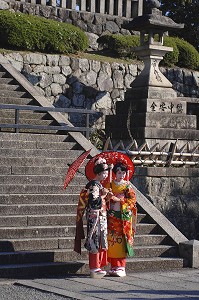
(80, 83)
(175, 192)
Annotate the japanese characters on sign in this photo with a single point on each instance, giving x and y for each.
(167, 107)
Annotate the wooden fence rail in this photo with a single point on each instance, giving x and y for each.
(156, 155)
(122, 8)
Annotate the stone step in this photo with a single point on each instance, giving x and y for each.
(5, 170)
(32, 244)
(20, 144)
(3, 73)
(154, 264)
(29, 170)
(10, 94)
(35, 209)
(151, 239)
(10, 87)
(38, 161)
(10, 113)
(10, 129)
(48, 219)
(61, 255)
(24, 257)
(58, 198)
(144, 264)
(19, 99)
(38, 270)
(39, 229)
(59, 237)
(28, 122)
(33, 137)
(156, 251)
(61, 246)
(15, 224)
(38, 153)
(40, 179)
(16, 101)
(5, 80)
(38, 189)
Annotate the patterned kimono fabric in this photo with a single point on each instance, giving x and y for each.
(96, 215)
(121, 223)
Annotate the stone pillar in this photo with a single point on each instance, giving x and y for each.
(120, 8)
(92, 6)
(128, 8)
(83, 5)
(111, 7)
(102, 6)
(140, 8)
(190, 251)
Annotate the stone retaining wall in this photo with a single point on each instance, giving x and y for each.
(75, 82)
(175, 192)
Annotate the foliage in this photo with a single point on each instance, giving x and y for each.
(183, 54)
(121, 44)
(188, 55)
(170, 59)
(186, 12)
(97, 138)
(33, 33)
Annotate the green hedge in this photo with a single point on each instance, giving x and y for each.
(33, 33)
(183, 54)
(121, 44)
(188, 55)
(171, 58)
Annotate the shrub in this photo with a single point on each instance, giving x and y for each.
(121, 44)
(33, 33)
(188, 55)
(171, 58)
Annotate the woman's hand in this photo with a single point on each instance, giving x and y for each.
(115, 199)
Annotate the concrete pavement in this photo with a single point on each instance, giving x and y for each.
(175, 284)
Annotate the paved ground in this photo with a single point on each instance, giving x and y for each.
(178, 284)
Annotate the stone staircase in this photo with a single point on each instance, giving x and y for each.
(37, 216)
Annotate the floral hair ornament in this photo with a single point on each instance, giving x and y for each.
(111, 157)
(100, 165)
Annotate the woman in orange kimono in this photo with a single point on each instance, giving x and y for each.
(121, 221)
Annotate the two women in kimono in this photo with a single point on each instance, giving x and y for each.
(114, 205)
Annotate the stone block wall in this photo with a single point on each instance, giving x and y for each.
(80, 83)
(175, 192)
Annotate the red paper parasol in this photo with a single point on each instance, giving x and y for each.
(74, 167)
(112, 157)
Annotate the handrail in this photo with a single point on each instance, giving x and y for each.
(64, 127)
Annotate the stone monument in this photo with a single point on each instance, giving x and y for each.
(151, 110)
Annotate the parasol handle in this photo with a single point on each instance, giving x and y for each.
(111, 174)
(127, 175)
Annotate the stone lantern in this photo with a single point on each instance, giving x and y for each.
(151, 111)
(152, 26)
